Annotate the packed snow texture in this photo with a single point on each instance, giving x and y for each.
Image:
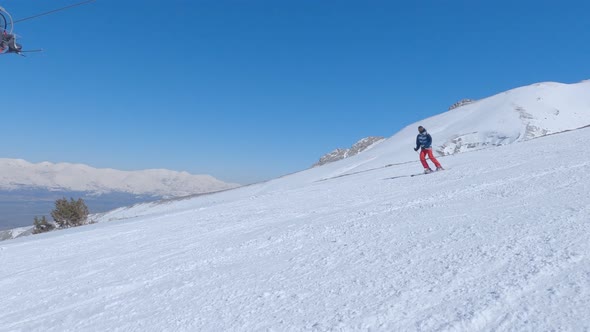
(17, 174)
(499, 241)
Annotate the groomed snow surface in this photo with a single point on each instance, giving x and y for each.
(498, 242)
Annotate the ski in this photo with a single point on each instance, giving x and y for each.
(412, 175)
(427, 173)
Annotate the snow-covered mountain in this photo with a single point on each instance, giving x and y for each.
(19, 174)
(28, 190)
(358, 147)
(509, 117)
(498, 241)
(512, 116)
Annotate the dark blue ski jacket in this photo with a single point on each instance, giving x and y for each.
(423, 140)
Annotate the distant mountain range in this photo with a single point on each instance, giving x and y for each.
(20, 174)
(28, 190)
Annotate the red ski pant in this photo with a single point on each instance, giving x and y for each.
(428, 152)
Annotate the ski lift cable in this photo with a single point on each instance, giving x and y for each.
(54, 11)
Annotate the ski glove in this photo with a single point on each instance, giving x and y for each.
(415, 149)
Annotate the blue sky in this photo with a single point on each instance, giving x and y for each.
(249, 90)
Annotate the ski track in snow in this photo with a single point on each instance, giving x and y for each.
(499, 242)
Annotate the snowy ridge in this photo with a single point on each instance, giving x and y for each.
(509, 117)
(17, 174)
(512, 116)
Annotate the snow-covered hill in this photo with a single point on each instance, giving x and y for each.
(512, 116)
(509, 117)
(19, 174)
(498, 241)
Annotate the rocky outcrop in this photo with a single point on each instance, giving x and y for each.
(462, 102)
(357, 148)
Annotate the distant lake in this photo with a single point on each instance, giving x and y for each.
(18, 208)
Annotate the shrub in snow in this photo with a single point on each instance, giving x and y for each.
(42, 225)
(70, 213)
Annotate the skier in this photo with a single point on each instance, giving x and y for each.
(424, 141)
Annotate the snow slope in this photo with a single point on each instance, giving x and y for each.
(512, 116)
(499, 241)
(17, 174)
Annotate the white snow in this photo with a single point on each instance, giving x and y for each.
(512, 116)
(15, 232)
(499, 241)
(18, 173)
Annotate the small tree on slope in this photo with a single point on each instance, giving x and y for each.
(42, 225)
(70, 213)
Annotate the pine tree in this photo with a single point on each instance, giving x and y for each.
(70, 213)
(42, 225)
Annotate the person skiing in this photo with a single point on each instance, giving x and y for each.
(424, 141)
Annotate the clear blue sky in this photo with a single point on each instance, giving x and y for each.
(249, 90)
